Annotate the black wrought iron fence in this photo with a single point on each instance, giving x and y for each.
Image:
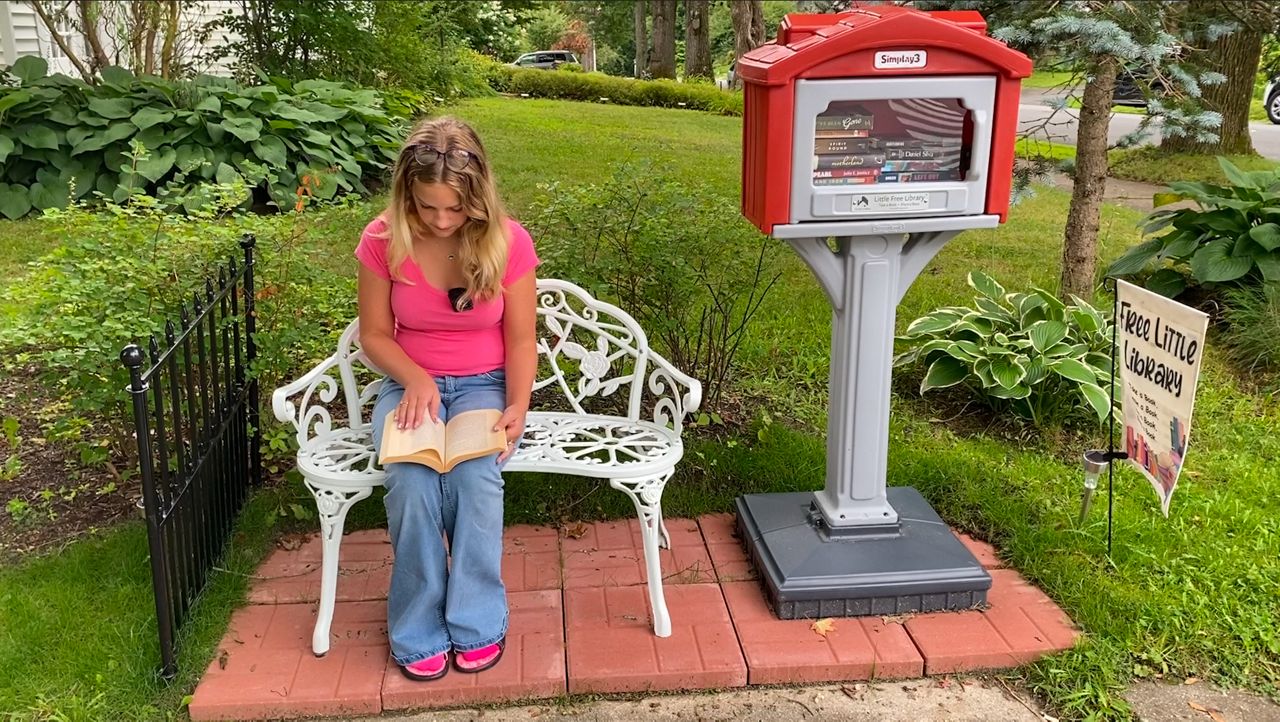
(199, 445)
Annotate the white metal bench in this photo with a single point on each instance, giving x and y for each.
(593, 359)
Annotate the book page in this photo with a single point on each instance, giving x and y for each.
(406, 442)
(471, 435)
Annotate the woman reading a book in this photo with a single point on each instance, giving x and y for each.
(447, 294)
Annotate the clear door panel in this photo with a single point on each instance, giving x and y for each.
(891, 142)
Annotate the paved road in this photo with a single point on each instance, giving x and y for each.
(1062, 128)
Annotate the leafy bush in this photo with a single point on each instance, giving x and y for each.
(420, 45)
(598, 87)
(62, 139)
(1022, 352)
(684, 263)
(1233, 237)
(1252, 332)
(122, 270)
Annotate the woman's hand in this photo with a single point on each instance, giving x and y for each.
(421, 399)
(512, 424)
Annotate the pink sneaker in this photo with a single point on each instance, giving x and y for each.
(425, 670)
(478, 660)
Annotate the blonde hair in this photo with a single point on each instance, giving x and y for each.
(482, 248)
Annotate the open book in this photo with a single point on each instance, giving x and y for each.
(468, 435)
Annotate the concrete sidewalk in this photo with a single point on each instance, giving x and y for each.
(962, 699)
(1132, 194)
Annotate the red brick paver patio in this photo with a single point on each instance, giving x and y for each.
(580, 624)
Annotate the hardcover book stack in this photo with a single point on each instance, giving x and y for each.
(848, 150)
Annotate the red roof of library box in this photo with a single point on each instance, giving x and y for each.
(845, 46)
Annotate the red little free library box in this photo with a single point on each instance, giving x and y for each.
(878, 112)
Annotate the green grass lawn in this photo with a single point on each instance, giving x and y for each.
(1149, 165)
(1046, 79)
(1192, 595)
(24, 240)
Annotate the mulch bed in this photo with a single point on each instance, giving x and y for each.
(64, 499)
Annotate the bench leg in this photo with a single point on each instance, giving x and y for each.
(646, 494)
(333, 505)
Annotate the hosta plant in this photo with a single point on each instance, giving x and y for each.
(63, 140)
(1233, 236)
(1025, 353)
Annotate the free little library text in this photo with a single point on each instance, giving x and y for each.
(469, 435)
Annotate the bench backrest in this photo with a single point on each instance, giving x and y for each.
(592, 358)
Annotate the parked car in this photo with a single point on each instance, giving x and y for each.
(1271, 99)
(545, 59)
(1129, 89)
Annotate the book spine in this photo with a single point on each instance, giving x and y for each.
(843, 122)
(847, 172)
(915, 165)
(853, 181)
(919, 153)
(848, 161)
(920, 176)
(841, 133)
(844, 145)
(941, 144)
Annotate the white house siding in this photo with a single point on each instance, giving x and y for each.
(23, 33)
(197, 16)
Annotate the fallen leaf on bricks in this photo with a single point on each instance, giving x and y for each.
(1191, 680)
(223, 657)
(823, 626)
(577, 531)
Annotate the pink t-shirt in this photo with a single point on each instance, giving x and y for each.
(443, 341)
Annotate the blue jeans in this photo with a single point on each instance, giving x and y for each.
(445, 599)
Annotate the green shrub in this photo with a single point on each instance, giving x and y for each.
(414, 44)
(1232, 237)
(64, 139)
(1252, 332)
(1027, 353)
(684, 262)
(598, 87)
(123, 269)
(495, 73)
(409, 105)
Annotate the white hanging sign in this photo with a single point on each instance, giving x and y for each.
(1161, 345)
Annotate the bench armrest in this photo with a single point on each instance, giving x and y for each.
(309, 415)
(676, 394)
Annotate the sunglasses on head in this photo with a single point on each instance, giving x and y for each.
(454, 158)
(456, 300)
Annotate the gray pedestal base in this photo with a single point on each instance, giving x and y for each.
(917, 565)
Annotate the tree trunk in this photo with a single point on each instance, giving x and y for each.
(748, 29)
(1080, 244)
(90, 14)
(47, 18)
(662, 62)
(697, 39)
(642, 39)
(757, 23)
(168, 66)
(152, 18)
(1236, 56)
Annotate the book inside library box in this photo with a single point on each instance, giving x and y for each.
(901, 140)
